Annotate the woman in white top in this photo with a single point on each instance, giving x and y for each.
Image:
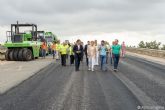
(91, 51)
(97, 54)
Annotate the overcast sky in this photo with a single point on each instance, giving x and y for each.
(129, 20)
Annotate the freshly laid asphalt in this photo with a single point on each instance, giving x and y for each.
(61, 88)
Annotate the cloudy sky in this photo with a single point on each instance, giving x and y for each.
(127, 20)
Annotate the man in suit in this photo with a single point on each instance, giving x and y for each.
(78, 51)
(85, 50)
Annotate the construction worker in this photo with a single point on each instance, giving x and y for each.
(67, 53)
(63, 51)
(53, 48)
(58, 46)
(71, 53)
(44, 48)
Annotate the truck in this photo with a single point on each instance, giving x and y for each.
(22, 45)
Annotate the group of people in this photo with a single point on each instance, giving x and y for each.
(95, 54)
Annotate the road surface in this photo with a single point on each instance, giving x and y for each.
(61, 88)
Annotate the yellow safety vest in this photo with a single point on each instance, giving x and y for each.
(58, 46)
(71, 51)
(63, 49)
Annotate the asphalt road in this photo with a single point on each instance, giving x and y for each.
(61, 88)
(148, 76)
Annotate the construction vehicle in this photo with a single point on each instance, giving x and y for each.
(22, 45)
(50, 38)
(41, 36)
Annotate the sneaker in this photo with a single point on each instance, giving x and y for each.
(92, 70)
(89, 69)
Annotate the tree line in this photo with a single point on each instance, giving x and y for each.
(151, 45)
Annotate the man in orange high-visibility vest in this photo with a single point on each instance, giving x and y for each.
(53, 47)
(44, 47)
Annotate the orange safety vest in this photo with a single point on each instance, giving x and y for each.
(53, 47)
(44, 46)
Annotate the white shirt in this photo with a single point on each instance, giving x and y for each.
(78, 47)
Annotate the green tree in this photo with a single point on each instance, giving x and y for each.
(150, 45)
(153, 45)
(142, 44)
(163, 47)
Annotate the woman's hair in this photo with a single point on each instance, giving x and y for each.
(92, 42)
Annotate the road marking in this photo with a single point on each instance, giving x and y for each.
(137, 92)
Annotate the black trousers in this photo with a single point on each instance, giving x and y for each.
(82, 56)
(71, 59)
(77, 61)
(116, 60)
(63, 59)
(87, 60)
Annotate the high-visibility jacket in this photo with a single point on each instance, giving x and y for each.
(71, 51)
(58, 46)
(44, 46)
(53, 47)
(63, 49)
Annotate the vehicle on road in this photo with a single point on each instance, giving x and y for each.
(50, 38)
(22, 45)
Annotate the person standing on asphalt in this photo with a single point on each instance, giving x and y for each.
(82, 43)
(71, 53)
(44, 48)
(63, 51)
(67, 53)
(116, 50)
(58, 46)
(78, 51)
(53, 48)
(103, 53)
(123, 49)
(85, 50)
(97, 54)
(91, 51)
(111, 54)
(107, 52)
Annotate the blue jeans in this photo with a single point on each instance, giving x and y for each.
(116, 60)
(77, 61)
(103, 62)
(43, 53)
(54, 53)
